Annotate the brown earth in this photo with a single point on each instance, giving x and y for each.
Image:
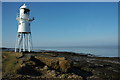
(64, 65)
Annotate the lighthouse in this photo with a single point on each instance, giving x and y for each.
(24, 38)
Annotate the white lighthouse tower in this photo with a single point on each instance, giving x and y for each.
(24, 39)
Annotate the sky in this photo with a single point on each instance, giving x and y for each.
(64, 23)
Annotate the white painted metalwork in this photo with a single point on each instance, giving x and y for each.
(24, 41)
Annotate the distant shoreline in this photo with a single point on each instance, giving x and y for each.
(85, 54)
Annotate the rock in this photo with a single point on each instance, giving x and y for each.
(74, 76)
(65, 65)
(4, 57)
(63, 76)
(93, 77)
(45, 67)
(37, 61)
(58, 63)
(52, 73)
(62, 58)
(28, 63)
(48, 65)
(28, 68)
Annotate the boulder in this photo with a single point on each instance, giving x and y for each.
(65, 65)
(58, 63)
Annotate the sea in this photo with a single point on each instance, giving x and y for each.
(97, 51)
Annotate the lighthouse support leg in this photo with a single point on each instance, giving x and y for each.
(31, 41)
(20, 41)
(23, 43)
(16, 45)
(26, 42)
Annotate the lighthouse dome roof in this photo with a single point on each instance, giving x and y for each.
(23, 6)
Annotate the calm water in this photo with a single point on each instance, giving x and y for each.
(103, 52)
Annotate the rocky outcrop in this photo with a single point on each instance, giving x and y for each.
(42, 67)
(65, 65)
(28, 68)
(58, 63)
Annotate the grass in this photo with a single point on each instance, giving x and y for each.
(10, 63)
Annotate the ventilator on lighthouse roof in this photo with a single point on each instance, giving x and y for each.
(24, 6)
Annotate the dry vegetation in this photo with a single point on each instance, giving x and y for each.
(59, 65)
